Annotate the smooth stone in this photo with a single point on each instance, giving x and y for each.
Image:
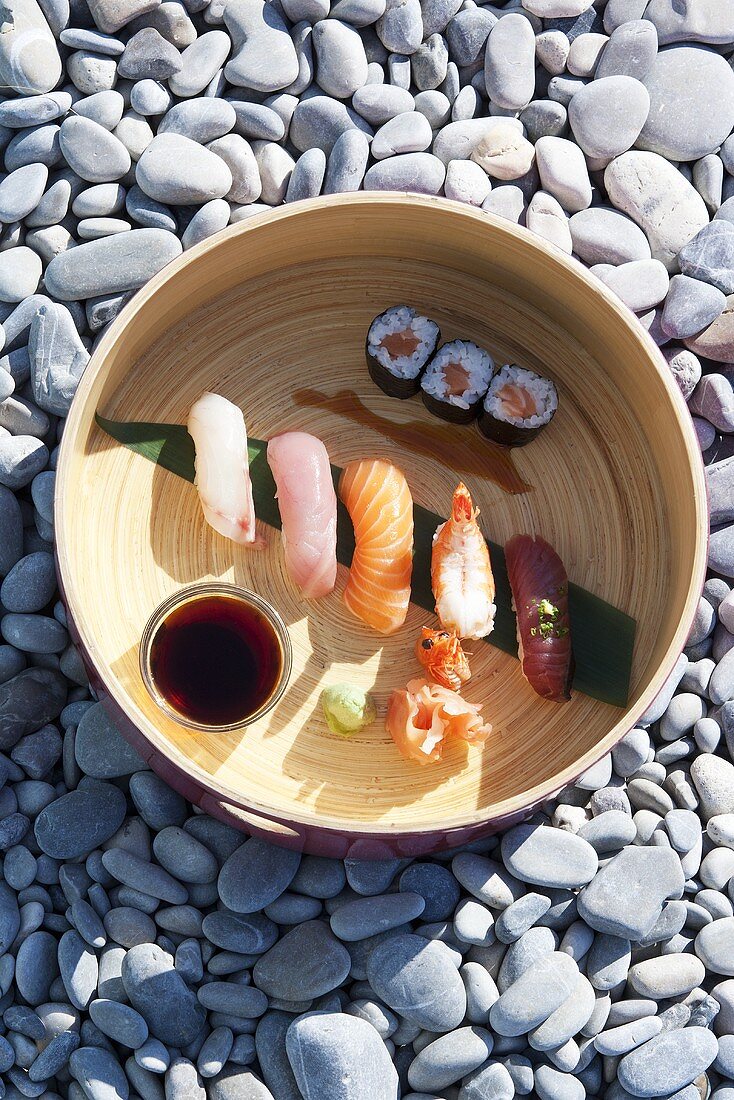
(29, 59)
(34, 110)
(233, 999)
(690, 306)
(409, 132)
(429, 63)
(640, 284)
(79, 969)
(29, 701)
(251, 934)
(306, 963)
(319, 121)
(36, 967)
(209, 219)
(467, 33)
(509, 62)
(113, 264)
(82, 38)
(201, 119)
(340, 1056)
(99, 201)
(255, 875)
(548, 857)
(622, 101)
(714, 945)
(606, 903)
(466, 182)
(708, 21)
(200, 62)
(566, 1021)
(341, 63)
(101, 750)
(449, 1058)
(717, 340)
(669, 1061)
(105, 108)
(418, 172)
(544, 118)
(21, 191)
(21, 458)
(148, 97)
(458, 140)
(91, 151)
(378, 103)
(237, 154)
(691, 103)
(159, 994)
(80, 821)
(264, 57)
(256, 120)
(175, 170)
(709, 256)
(58, 358)
(307, 177)
(20, 272)
(346, 164)
(563, 172)
(534, 995)
(91, 72)
(359, 13)
(659, 198)
(713, 778)
(149, 56)
(418, 979)
(630, 51)
(400, 28)
(666, 977)
(503, 152)
(608, 961)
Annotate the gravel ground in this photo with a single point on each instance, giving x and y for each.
(152, 953)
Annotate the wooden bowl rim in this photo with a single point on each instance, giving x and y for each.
(533, 245)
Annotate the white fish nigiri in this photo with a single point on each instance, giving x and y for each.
(218, 430)
(307, 502)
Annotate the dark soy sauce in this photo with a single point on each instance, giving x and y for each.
(216, 660)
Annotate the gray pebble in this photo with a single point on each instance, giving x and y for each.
(264, 58)
(307, 177)
(408, 132)
(173, 169)
(341, 63)
(112, 264)
(340, 1056)
(670, 1060)
(199, 63)
(548, 857)
(509, 67)
(21, 191)
(419, 172)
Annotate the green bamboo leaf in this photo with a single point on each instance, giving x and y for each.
(603, 636)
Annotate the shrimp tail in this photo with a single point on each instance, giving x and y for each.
(462, 510)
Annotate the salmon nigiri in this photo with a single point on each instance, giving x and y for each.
(218, 430)
(307, 503)
(540, 594)
(377, 497)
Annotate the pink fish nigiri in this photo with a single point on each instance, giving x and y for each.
(218, 430)
(307, 502)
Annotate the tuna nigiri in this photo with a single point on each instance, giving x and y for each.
(461, 574)
(217, 428)
(307, 503)
(540, 596)
(422, 717)
(378, 499)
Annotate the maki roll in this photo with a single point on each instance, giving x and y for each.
(456, 380)
(518, 405)
(399, 344)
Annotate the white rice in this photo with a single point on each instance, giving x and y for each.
(542, 390)
(477, 363)
(398, 319)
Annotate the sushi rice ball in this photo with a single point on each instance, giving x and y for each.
(456, 380)
(518, 405)
(399, 344)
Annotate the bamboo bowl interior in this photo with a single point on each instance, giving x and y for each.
(282, 303)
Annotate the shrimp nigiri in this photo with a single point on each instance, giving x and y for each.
(218, 430)
(540, 594)
(307, 503)
(377, 497)
(461, 574)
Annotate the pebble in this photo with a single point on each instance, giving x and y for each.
(535, 994)
(160, 995)
(264, 57)
(625, 105)
(340, 1056)
(449, 1058)
(563, 172)
(707, 256)
(256, 874)
(175, 170)
(503, 152)
(509, 62)
(687, 118)
(605, 904)
(670, 1060)
(409, 132)
(306, 963)
(400, 28)
(91, 151)
(80, 820)
(659, 199)
(690, 305)
(113, 264)
(340, 58)
(418, 979)
(200, 63)
(419, 172)
(714, 945)
(548, 857)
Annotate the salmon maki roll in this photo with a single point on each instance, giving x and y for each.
(540, 596)
(377, 497)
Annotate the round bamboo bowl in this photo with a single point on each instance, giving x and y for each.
(282, 303)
